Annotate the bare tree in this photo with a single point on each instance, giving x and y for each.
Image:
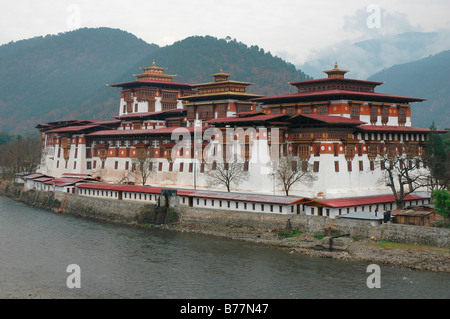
(403, 173)
(144, 163)
(20, 156)
(144, 169)
(228, 173)
(289, 170)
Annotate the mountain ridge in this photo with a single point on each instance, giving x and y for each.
(368, 57)
(64, 76)
(427, 78)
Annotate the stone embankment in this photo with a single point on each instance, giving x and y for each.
(421, 248)
(408, 234)
(415, 257)
(111, 211)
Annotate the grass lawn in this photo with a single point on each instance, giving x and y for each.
(391, 245)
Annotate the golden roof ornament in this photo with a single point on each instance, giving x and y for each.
(221, 76)
(336, 72)
(154, 73)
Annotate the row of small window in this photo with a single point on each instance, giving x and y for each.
(169, 96)
(350, 166)
(140, 196)
(132, 196)
(128, 107)
(383, 165)
(93, 165)
(339, 87)
(66, 164)
(246, 206)
(370, 208)
(94, 192)
(348, 210)
(221, 90)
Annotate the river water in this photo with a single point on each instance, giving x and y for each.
(37, 246)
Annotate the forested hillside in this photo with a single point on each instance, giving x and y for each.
(53, 77)
(196, 58)
(427, 78)
(64, 76)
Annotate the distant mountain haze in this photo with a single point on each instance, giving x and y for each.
(365, 58)
(428, 78)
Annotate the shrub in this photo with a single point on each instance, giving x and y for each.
(286, 234)
(442, 202)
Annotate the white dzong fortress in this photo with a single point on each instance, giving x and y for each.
(335, 125)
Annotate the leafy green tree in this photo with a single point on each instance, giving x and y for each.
(446, 140)
(437, 160)
(5, 138)
(442, 202)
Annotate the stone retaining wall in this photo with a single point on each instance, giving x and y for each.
(319, 225)
(112, 211)
(134, 213)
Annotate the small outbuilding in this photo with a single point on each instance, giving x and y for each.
(413, 217)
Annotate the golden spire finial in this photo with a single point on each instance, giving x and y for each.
(336, 72)
(154, 64)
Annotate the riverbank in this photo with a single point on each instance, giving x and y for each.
(415, 257)
(356, 248)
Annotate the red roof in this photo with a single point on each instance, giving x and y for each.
(389, 128)
(328, 94)
(335, 79)
(165, 130)
(43, 179)
(330, 119)
(121, 188)
(242, 114)
(137, 83)
(60, 123)
(358, 201)
(104, 122)
(243, 197)
(257, 118)
(78, 128)
(257, 198)
(64, 181)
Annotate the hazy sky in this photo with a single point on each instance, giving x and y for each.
(291, 29)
